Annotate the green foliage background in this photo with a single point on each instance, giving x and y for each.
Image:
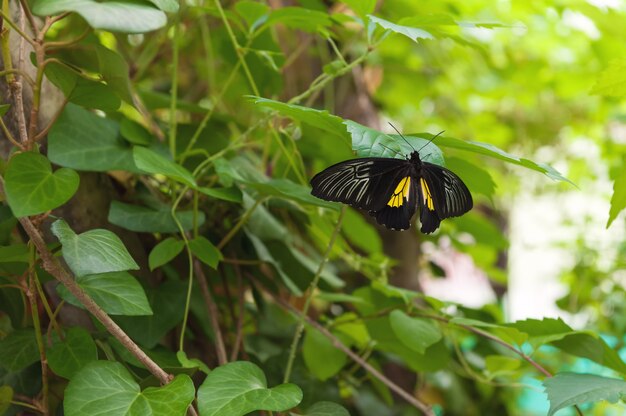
(160, 251)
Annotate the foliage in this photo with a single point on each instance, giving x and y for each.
(219, 285)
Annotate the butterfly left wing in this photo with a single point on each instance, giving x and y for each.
(364, 183)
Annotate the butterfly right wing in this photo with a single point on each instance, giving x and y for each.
(365, 183)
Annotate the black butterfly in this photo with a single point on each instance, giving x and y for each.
(392, 189)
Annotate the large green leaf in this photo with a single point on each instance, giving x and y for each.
(18, 253)
(147, 220)
(240, 387)
(301, 19)
(117, 16)
(81, 90)
(107, 388)
(320, 355)
(368, 142)
(416, 333)
(320, 119)
(75, 351)
(152, 162)
(493, 151)
(618, 200)
(82, 140)
(117, 293)
(18, 350)
(94, 251)
(32, 188)
(569, 389)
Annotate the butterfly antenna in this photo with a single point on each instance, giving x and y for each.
(403, 138)
(431, 140)
(390, 149)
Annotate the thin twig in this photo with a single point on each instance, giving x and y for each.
(241, 301)
(353, 356)
(213, 312)
(46, 129)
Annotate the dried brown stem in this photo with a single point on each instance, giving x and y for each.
(212, 311)
(424, 408)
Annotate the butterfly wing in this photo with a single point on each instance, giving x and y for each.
(442, 194)
(400, 207)
(365, 183)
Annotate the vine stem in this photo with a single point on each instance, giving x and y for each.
(424, 408)
(52, 266)
(174, 90)
(309, 297)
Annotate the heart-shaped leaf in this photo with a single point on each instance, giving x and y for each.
(107, 388)
(32, 188)
(21, 346)
(238, 388)
(415, 333)
(117, 293)
(117, 16)
(147, 220)
(94, 251)
(75, 351)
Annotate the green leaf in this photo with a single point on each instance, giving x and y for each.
(16, 253)
(302, 19)
(320, 119)
(117, 293)
(232, 194)
(80, 90)
(360, 233)
(116, 16)
(94, 251)
(115, 70)
(326, 409)
(134, 132)
(105, 387)
(32, 188)
(612, 81)
(320, 356)
(569, 389)
(416, 333)
(205, 251)
(147, 220)
(152, 162)
(286, 189)
(21, 347)
(164, 252)
(167, 302)
(4, 108)
(187, 362)
(240, 387)
(361, 7)
(76, 350)
(412, 33)
(252, 12)
(170, 6)
(493, 151)
(6, 395)
(373, 143)
(618, 200)
(84, 141)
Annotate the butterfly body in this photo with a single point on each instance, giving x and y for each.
(392, 190)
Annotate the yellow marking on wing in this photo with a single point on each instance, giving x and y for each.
(428, 198)
(401, 193)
